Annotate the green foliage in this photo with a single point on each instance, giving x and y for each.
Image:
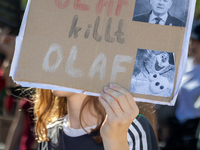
(197, 9)
(23, 4)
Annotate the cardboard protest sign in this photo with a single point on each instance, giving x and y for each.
(85, 45)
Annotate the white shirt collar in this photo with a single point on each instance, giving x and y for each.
(74, 132)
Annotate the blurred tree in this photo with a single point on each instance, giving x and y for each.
(23, 4)
(10, 13)
(197, 9)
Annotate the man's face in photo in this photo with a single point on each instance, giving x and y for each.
(160, 7)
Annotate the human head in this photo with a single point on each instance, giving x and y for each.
(63, 93)
(194, 47)
(160, 7)
(49, 107)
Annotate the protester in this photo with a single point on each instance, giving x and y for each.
(7, 43)
(22, 125)
(22, 128)
(7, 46)
(187, 110)
(110, 121)
(139, 134)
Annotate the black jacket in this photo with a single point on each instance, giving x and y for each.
(170, 19)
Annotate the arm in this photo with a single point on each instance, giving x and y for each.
(15, 130)
(121, 110)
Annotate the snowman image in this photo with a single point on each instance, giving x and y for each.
(157, 70)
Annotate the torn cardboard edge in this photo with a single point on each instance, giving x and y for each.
(181, 69)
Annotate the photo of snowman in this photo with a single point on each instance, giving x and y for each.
(154, 73)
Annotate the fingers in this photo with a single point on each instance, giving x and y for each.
(121, 110)
(109, 110)
(118, 100)
(110, 104)
(124, 92)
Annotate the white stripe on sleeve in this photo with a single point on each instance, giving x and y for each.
(137, 138)
(144, 137)
(130, 141)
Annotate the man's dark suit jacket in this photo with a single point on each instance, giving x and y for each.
(170, 20)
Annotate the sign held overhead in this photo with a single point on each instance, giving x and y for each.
(83, 45)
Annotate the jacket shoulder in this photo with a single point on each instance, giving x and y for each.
(141, 17)
(142, 135)
(174, 21)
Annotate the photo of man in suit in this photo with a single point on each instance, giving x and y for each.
(159, 14)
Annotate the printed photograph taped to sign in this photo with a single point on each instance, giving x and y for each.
(154, 73)
(167, 12)
(85, 45)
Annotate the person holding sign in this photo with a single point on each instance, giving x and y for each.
(68, 120)
(159, 14)
(186, 121)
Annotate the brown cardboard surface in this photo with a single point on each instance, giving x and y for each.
(48, 24)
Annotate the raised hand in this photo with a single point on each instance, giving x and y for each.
(121, 110)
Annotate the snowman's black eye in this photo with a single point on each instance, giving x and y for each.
(155, 75)
(162, 87)
(157, 83)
